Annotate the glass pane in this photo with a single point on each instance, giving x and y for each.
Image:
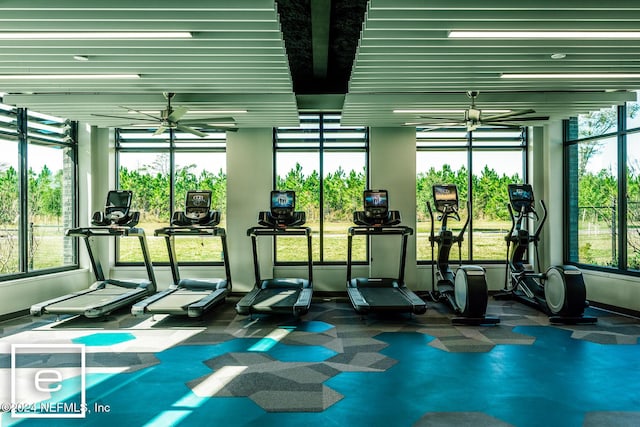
(298, 171)
(147, 176)
(633, 201)
(633, 115)
(437, 167)
(344, 182)
(492, 172)
(50, 207)
(200, 171)
(598, 122)
(9, 207)
(597, 194)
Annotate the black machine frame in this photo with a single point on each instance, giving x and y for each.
(194, 297)
(114, 221)
(290, 295)
(386, 294)
(560, 291)
(465, 291)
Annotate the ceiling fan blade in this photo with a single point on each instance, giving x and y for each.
(191, 130)
(222, 126)
(509, 114)
(437, 124)
(120, 117)
(438, 118)
(177, 113)
(502, 125)
(160, 130)
(524, 119)
(140, 112)
(222, 120)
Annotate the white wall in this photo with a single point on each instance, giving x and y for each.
(392, 167)
(249, 183)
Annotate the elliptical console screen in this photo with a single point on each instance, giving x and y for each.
(197, 204)
(283, 203)
(445, 197)
(521, 196)
(118, 203)
(376, 203)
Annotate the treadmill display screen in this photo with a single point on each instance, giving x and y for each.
(197, 204)
(118, 203)
(376, 202)
(283, 203)
(445, 197)
(521, 196)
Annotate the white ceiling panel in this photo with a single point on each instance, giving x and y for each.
(406, 59)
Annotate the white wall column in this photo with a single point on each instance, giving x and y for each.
(249, 183)
(392, 167)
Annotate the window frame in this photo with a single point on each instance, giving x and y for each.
(26, 135)
(469, 147)
(170, 146)
(570, 188)
(320, 149)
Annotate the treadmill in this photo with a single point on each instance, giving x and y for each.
(385, 294)
(106, 295)
(190, 297)
(279, 295)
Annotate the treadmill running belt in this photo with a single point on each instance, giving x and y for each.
(276, 299)
(94, 300)
(385, 298)
(177, 302)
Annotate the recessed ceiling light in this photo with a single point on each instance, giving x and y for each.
(67, 76)
(80, 57)
(454, 34)
(571, 76)
(558, 55)
(85, 35)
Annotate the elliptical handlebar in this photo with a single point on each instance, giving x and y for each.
(460, 237)
(536, 235)
(432, 235)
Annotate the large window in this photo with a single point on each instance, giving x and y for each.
(602, 181)
(325, 164)
(495, 157)
(160, 170)
(37, 193)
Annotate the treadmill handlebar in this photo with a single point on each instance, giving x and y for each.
(103, 219)
(105, 231)
(275, 231)
(368, 230)
(189, 219)
(190, 231)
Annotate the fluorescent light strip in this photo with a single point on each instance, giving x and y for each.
(67, 76)
(571, 76)
(85, 35)
(454, 34)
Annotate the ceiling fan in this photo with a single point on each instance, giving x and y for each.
(171, 118)
(474, 118)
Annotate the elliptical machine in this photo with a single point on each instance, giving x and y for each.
(465, 292)
(560, 291)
